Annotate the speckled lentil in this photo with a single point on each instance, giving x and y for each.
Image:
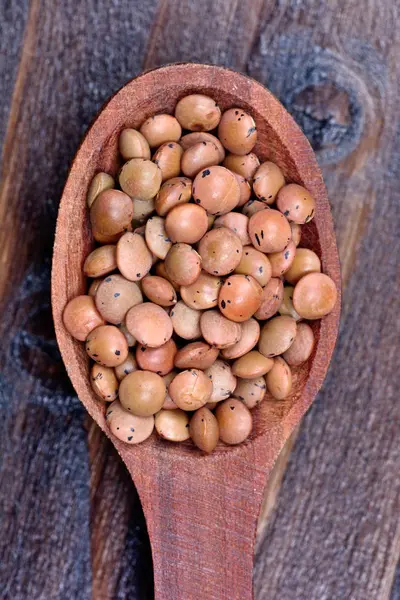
(198, 246)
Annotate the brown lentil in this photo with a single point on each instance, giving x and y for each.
(240, 297)
(296, 203)
(111, 213)
(246, 165)
(140, 178)
(314, 296)
(104, 382)
(186, 321)
(269, 231)
(172, 425)
(286, 307)
(168, 159)
(182, 264)
(223, 380)
(107, 346)
(134, 258)
(236, 222)
(219, 331)
(186, 223)
(234, 420)
(99, 183)
(250, 333)
(142, 393)
(196, 355)
(277, 335)
(302, 347)
(268, 180)
(204, 430)
(115, 296)
(159, 129)
(256, 264)
(159, 290)
(272, 296)
(250, 391)
(305, 261)
(149, 324)
(216, 189)
(221, 251)
(128, 366)
(100, 261)
(203, 293)
(177, 190)
(157, 239)
(279, 379)
(199, 157)
(190, 389)
(189, 140)
(158, 360)
(252, 365)
(127, 427)
(198, 112)
(81, 317)
(237, 131)
(283, 260)
(132, 144)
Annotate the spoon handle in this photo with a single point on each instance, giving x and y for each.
(201, 518)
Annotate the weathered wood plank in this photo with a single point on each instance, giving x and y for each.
(207, 32)
(74, 57)
(395, 594)
(13, 17)
(334, 66)
(335, 532)
(44, 502)
(121, 554)
(272, 489)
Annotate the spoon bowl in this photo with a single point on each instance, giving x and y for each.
(201, 511)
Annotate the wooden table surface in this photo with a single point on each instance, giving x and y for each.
(71, 524)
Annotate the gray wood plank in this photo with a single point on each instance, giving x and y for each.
(75, 56)
(13, 18)
(334, 531)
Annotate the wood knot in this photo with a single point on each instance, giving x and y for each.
(330, 94)
(331, 118)
(325, 112)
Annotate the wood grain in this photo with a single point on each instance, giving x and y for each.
(339, 493)
(332, 533)
(12, 26)
(60, 91)
(228, 31)
(120, 550)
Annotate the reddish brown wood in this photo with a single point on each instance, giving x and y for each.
(201, 511)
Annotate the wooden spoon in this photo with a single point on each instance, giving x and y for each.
(201, 511)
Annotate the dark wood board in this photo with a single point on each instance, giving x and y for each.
(12, 27)
(70, 520)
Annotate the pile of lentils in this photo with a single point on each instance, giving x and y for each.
(199, 292)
